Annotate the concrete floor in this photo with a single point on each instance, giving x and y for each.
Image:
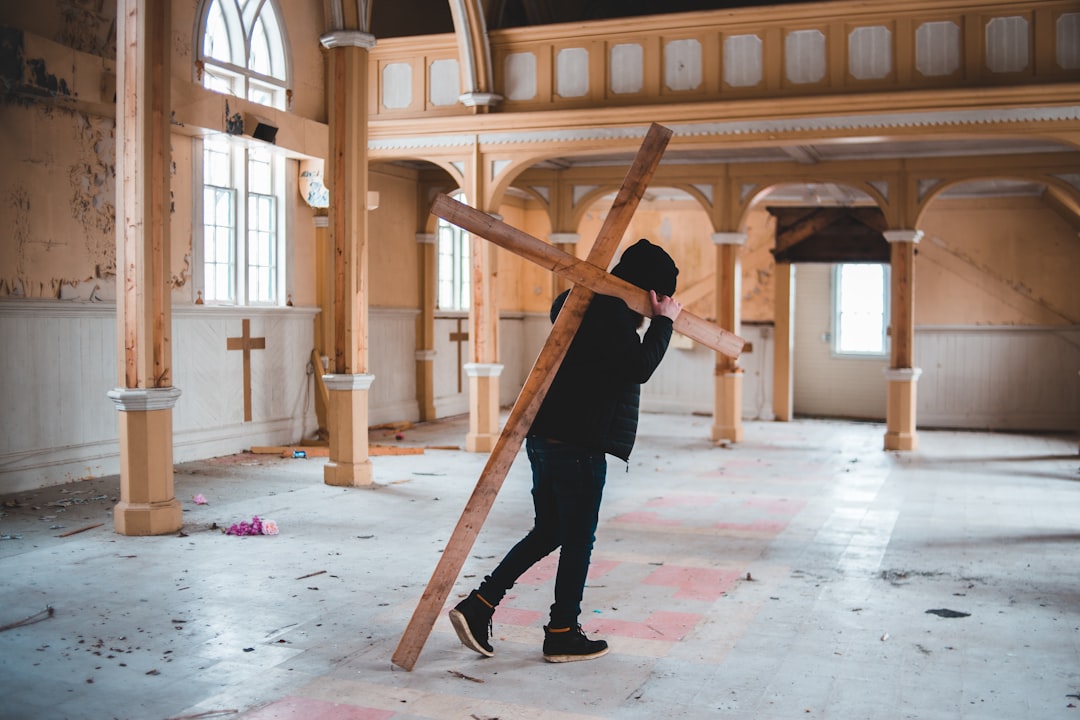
(789, 576)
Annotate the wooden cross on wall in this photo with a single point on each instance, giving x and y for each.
(246, 343)
(591, 277)
(460, 337)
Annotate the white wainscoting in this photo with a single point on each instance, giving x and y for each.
(392, 360)
(208, 420)
(59, 426)
(449, 377)
(58, 361)
(999, 377)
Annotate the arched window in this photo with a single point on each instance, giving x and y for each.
(243, 50)
(455, 288)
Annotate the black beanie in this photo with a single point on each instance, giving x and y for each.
(647, 266)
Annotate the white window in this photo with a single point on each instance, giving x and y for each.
(454, 271)
(243, 50)
(241, 207)
(860, 309)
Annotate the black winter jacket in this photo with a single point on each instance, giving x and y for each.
(594, 399)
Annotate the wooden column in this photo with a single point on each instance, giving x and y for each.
(324, 321)
(484, 370)
(783, 362)
(902, 377)
(348, 384)
(425, 326)
(728, 379)
(144, 396)
(567, 242)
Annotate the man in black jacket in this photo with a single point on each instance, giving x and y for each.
(591, 410)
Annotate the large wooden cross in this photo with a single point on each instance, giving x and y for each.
(591, 277)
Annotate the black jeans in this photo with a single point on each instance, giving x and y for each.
(568, 483)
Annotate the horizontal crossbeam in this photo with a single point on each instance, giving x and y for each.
(580, 272)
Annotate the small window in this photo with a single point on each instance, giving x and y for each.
(860, 309)
(455, 289)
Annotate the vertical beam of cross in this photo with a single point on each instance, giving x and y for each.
(460, 338)
(528, 403)
(246, 343)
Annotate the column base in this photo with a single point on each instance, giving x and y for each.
(483, 406)
(480, 443)
(900, 405)
(727, 412)
(161, 518)
(359, 474)
(148, 504)
(901, 441)
(349, 464)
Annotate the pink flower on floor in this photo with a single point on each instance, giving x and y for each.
(199, 499)
(255, 527)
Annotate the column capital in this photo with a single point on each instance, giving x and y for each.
(902, 374)
(426, 238)
(426, 355)
(729, 238)
(895, 236)
(483, 369)
(321, 221)
(347, 38)
(144, 399)
(348, 382)
(564, 238)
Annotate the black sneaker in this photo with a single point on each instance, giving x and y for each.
(571, 645)
(471, 619)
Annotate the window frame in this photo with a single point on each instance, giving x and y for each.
(836, 336)
(245, 259)
(460, 264)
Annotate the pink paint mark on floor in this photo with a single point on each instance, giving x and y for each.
(645, 517)
(776, 506)
(771, 527)
(600, 568)
(542, 571)
(670, 626)
(515, 616)
(300, 708)
(681, 500)
(545, 570)
(703, 584)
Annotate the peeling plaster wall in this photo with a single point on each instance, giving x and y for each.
(88, 26)
(57, 206)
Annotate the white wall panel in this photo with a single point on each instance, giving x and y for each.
(59, 426)
(1000, 378)
(392, 360)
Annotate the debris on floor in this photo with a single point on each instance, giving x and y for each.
(946, 613)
